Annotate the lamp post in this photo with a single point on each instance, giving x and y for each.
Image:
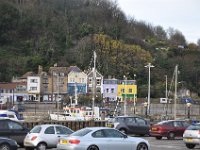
(149, 66)
(125, 82)
(145, 106)
(188, 106)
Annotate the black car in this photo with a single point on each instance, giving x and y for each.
(8, 144)
(13, 130)
(130, 125)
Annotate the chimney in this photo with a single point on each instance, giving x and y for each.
(40, 69)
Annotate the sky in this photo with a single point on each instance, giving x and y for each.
(183, 15)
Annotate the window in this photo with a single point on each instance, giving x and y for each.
(98, 81)
(113, 133)
(62, 130)
(81, 132)
(131, 120)
(36, 129)
(34, 81)
(98, 134)
(123, 90)
(107, 90)
(130, 90)
(112, 90)
(49, 130)
(14, 126)
(33, 88)
(140, 121)
(177, 124)
(3, 125)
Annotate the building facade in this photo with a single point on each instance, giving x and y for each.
(110, 89)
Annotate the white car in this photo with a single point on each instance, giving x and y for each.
(101, 138)
(191, 136)
(45, 136)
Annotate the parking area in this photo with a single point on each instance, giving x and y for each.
(163, 144)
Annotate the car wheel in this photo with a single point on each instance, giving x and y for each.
(93, 147)
(190, 146)
(158, 137)
(142, 146)
(5, 147)
(170, 136)
(41, 146)
(123, 131)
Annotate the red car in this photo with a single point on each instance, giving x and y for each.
(169, 129)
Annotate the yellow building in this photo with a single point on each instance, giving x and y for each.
(127, 89)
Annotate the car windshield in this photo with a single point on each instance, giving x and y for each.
(194, 127)
(36, 129)
(81, 132)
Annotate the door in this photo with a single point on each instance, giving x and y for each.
(132, 125)
(179, 128)
(50, 136)
(4, 130)
(116, 140)
(143, 127)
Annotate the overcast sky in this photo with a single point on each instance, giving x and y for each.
(183, 15)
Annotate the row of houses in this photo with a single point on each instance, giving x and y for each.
(61, 81)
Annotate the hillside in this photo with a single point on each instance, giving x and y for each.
(66, 32)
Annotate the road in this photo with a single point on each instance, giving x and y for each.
(163, 144)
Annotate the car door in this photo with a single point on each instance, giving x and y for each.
(50, 136)
(116, 140)
(17, 131)
(142, 126)
(132, 125)
(179, 129)
(4, 130)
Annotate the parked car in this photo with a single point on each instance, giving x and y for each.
(45, 136)
(130, 125)
(13, 129)
(169, 129)
(191, 136)
(101, 138)
(8, 144)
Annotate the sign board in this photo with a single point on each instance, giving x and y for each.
(163, 100)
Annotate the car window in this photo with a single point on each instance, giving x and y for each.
(98, 134)
(81, 132)
(171, 124)
(177, 124)
(120, 119)
(14, 126)
(131, 120)
(3, 125)
(140, 121)
(194, 127)
(36, 129)
(185, 124)
(111, 133)
(49, 130)
(62, 130)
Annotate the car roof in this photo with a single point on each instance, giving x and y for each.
(97, 128)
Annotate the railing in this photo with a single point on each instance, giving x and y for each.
(74, 125)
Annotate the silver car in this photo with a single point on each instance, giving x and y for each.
(191, 136)
(101, 138)
(45, 136)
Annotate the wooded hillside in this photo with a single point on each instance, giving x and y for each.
(66, 32)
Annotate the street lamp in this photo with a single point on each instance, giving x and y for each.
(125, 82)
(188, 106)
(145, 106)
(149, 66)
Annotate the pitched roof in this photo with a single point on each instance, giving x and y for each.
(11, 85)
(74, 69)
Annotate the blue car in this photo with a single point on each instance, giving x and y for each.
(8, 144)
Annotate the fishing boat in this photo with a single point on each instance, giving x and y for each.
(76, 114)
(12, 115)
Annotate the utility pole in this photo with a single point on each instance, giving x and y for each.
(125, 83)
(166, 96)
(175, 92)
(94, 82)
(149, 66)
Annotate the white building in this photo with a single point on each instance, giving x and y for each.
(33, 87)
